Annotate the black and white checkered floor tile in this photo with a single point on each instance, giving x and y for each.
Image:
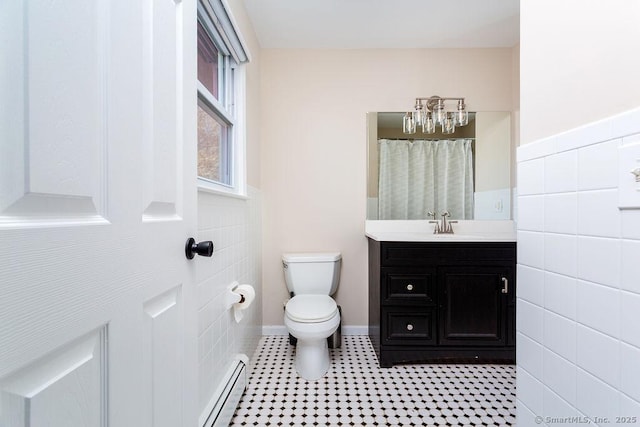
(356, 392)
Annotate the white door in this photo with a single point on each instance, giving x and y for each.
(97, 199)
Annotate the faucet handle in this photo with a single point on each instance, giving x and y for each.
(437, 228)
(431, 214)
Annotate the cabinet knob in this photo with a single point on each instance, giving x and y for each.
(409, 327)
(409, 287)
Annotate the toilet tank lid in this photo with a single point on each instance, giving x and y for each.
(311, 256)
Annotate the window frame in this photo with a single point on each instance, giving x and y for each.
(230, 109)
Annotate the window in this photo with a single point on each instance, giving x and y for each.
(213, 146)
(220, 86)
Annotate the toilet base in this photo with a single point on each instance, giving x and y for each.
(312, 358)
(312, 352)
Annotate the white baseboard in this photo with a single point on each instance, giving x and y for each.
(346, 330)
(355, 330)
(274, 330)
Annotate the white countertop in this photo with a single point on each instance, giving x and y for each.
(422, 231)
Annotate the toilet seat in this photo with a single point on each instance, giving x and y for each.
(311, 308)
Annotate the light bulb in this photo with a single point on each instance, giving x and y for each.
(408, 124)
(461, 116)
(448, 125)
(418, 116)
(439, 114)
(428, 126)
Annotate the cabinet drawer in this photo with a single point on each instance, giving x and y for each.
(402, 287)
(402, 327)
(445, 253)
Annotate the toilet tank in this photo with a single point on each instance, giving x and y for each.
(312, 272)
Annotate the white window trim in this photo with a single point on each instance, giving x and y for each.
(238, 187)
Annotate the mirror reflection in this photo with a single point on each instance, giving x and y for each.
(466, 173)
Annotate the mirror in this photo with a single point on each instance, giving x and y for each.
(467, 173)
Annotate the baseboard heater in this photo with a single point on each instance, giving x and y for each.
(222, 406)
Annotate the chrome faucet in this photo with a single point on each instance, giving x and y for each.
(443, 226)
(436, 229)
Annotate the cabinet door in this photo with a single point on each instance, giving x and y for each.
(473, 305)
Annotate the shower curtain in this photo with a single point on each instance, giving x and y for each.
(420, 176)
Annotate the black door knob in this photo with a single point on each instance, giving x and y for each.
(203, 248)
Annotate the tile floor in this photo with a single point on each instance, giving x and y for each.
(356, 392)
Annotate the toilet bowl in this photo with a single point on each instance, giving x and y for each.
(312, 327)
(311, 315)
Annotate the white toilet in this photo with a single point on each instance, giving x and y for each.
(312, 315)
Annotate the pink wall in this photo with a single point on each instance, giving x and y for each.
(579, 63)
(313, 133)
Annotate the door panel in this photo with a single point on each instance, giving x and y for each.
(162, 96)
(97, 198)
(54, 127)
(67, 387)
(163, 357)
(472, 310)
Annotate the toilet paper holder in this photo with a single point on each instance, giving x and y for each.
(231, 297)
(238, 298)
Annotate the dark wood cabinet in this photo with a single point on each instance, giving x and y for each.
(442, 302)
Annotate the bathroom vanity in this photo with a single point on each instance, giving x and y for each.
(442, 299)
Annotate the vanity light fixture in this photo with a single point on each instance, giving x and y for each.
(431, 112)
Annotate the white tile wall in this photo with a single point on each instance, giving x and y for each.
(593, 172)
(559, 294)
(599, 213)
(529, 355)
(629, 406)
(630, 220)
(552, 403)
(559, 376)
(599, 260)
(561, 172)
(593, 393)
(529, 214)
(598, 307)
(524, 416)
(559, 335)
(532, 387)
(630, 266)
(578, 350)
(561, 254)
(560, 213)
(591, 361)
(630, 367)
(531, 249)
(530, 320)
(233, 224)
(530, 176)
(532, 280)
(629, 308)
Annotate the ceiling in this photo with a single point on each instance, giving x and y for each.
(368, 24)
